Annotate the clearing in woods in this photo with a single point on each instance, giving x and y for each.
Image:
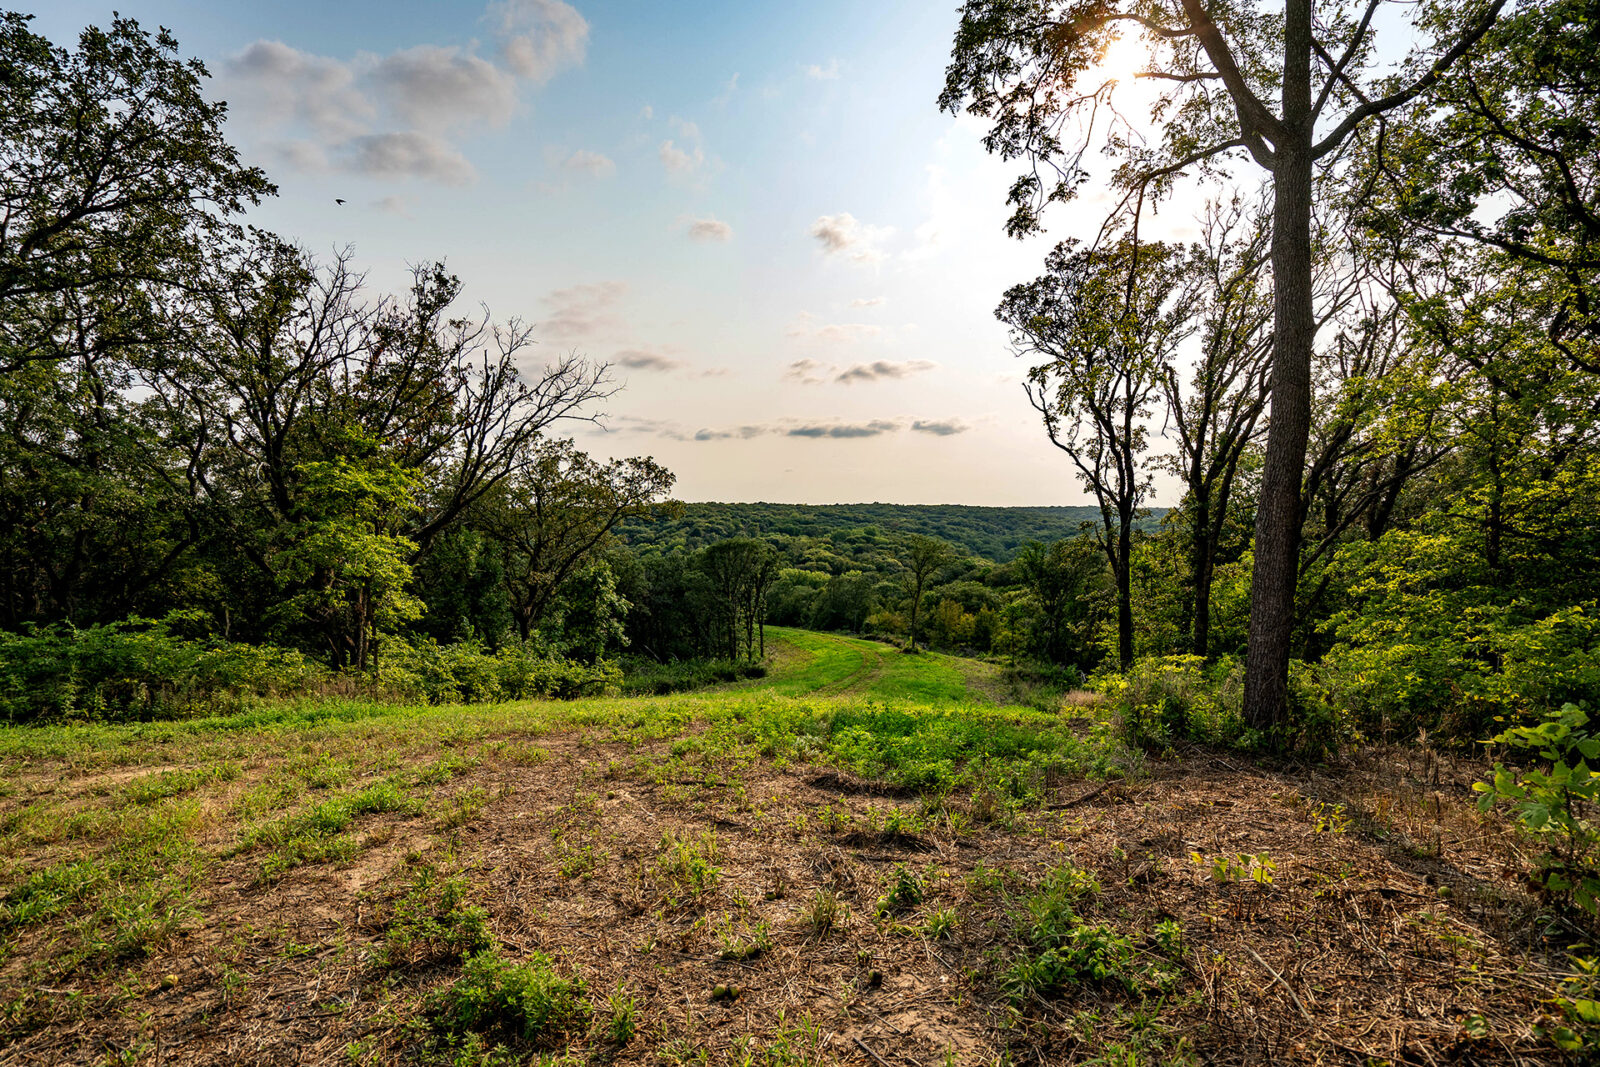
(864, 858)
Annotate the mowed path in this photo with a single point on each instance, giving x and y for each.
(806, 663)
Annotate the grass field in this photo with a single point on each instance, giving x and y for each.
(864, 858)
(813, 664)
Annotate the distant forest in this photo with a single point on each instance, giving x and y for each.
(996, 534)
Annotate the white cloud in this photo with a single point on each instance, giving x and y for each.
(275, 85)
(678, 160)
(684, 153)
(401, 155)
(539, 37)
(844, 430)
(585, 312)
(394, 205)
(940, 427)
(436, 89)
(647, 112)
(821, 73)
(804, 326)
(709, 229)
(591, 163)
(868, 301)
(807, 371)
(398, 115)
(844, 235)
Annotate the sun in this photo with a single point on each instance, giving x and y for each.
(1123, 58)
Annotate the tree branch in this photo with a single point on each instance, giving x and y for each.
(1412, 91)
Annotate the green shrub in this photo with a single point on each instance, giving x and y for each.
(528, 1003)
(466, 672)
(1169, 699)
(1432, 641)
(1556, 801)
(139, 669)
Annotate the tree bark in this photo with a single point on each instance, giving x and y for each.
(1124, 571)
(1278, 518)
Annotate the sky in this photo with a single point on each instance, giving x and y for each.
(754, 211)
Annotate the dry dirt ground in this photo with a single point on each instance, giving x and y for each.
(1360, 914)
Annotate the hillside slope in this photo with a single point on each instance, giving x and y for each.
(991, 533)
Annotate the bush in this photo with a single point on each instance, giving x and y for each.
(1431, 641)
(648, 678)
(466, 672)
(139, 668)
(1167, 699)
(1556, 802)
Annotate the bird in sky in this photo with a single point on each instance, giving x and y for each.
(336, 200)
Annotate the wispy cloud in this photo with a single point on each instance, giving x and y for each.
(940, 427)
(800, 429)
(539, 37)
(709, 229)
(882, 369)
(805, 327)
(845, 236)
(683, 154)
(408, 154)
(587, 312)
(868, 301)
(644, 359)
(808, 371)
(591, 163)
(846, 430)
(681, 160)
(821, 73)
(738, 433)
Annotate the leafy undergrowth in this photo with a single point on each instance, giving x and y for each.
(747, 878)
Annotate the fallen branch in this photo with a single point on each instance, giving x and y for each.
(1281, 981)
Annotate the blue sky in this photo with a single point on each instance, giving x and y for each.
(754, 210)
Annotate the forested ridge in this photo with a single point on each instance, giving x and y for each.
(996, 534)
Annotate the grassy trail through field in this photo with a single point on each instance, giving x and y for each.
(807, 663)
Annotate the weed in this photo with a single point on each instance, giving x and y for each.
(905, 892)
(1169, 937)
(825, 912)
(1329, 819)
(578, 862)
(941, 923)
(153, 787)
(432, 922)
(316, 835)
(1236, 868)
(689, 865)
(622, 1021)
(745, 943)
(524, 1002)
(464, 807)
(1082, 953)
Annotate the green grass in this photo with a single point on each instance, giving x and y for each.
(816, 664)
(107, 829)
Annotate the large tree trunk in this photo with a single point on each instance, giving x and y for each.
(1278, 520)
(1202, 562)
(1124, 574)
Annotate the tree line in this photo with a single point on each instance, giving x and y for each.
(200, 421)
(1374, 374)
